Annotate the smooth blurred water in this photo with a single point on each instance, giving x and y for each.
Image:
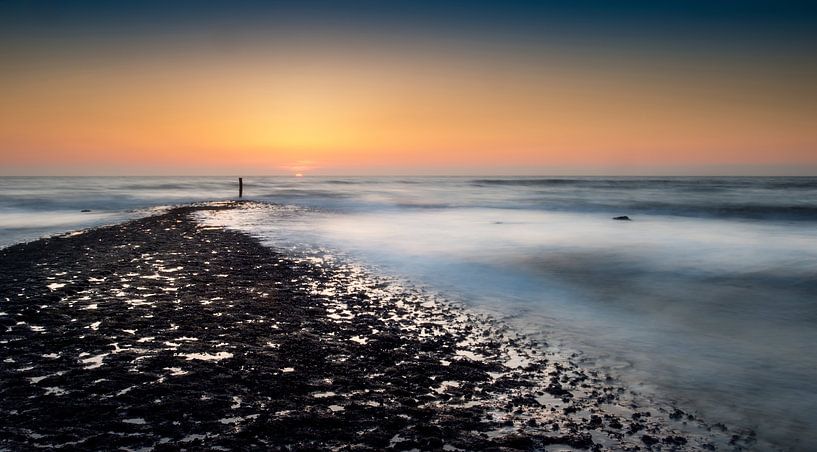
(709, 296)
(33, 207)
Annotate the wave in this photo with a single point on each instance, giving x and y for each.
(424, 205)
(705, 184)
(524, 182)
(197, 185)
(746, 212)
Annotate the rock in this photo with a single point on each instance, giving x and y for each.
(622, 218)
(649, 440)
(516, 441)
(595, 422)
(675, 440)
(402, 387)
(85, 210)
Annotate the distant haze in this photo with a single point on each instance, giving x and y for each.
(317, 88)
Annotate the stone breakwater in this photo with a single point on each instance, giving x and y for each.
(165, 333)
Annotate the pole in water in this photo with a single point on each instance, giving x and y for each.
(240, 187)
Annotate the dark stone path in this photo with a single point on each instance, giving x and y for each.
(160, 333)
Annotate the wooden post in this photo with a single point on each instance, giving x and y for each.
(240, 187)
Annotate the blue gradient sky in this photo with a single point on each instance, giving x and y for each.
(418, 87)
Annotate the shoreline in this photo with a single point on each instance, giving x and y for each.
(163, 333)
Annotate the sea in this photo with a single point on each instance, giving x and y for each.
(706, 297)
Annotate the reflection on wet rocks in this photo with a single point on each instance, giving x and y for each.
(167, 333)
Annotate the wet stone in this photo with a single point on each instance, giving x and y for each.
(169, 333)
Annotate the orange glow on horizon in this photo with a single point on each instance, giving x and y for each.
(326, 114)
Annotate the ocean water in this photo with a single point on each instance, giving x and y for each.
(707, 297)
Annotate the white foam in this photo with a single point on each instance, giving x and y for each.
(206, 356)
(94, 361)
(176, 371)
(135, 420)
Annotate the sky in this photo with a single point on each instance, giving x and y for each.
(408, 87)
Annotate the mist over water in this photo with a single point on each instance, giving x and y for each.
(709, 296)
(33, 207)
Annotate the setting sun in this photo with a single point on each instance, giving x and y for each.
(408, 225)
(350, 104)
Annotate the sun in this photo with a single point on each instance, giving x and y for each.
(299, 175)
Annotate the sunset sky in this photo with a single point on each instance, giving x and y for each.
(408, 87)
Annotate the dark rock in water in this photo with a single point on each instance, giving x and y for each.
(675, 440)
(623, 218)
(85, 210)
(649, 440)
